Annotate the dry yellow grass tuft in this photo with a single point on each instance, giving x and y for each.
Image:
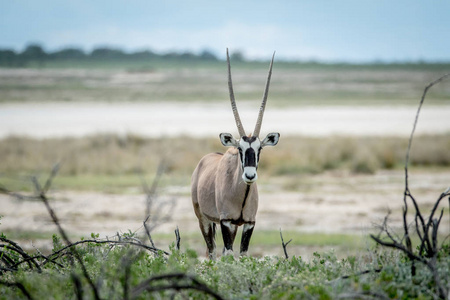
(118, 155)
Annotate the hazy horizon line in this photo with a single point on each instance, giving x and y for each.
(180, 50)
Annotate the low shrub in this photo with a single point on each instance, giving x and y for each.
(118, 271)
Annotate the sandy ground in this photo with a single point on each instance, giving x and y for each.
(161, 119)
(328, 203)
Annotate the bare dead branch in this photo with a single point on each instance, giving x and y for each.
(17, 196)
(399, 246)
(428, 249)
(284, 245)
(16, 248)
(362, 295)
(425, 91)
(61, 251)
(147, 231)
(77, 285)
(175, 284)
(49, 181)
(18, 285)
(360, 273)
(178, 238)
(162, 208)
(151, 192)
(41, 194)
(126, 263)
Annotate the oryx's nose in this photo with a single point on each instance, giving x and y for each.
(250, 176)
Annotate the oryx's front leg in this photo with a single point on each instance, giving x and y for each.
(247, 232)
(229, 234)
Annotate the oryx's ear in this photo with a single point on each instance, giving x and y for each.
(228, 140)
(271, 139)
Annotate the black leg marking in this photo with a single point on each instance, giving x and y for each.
(209, 233)
(228, 234)
(247, 232)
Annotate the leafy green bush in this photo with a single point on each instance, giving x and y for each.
(118, 271)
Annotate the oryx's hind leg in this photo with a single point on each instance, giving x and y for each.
(228, 234)
(247, 232)
(208, 229)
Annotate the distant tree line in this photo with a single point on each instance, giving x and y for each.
(35, 54)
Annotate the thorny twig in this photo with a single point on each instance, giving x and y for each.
(284, 245)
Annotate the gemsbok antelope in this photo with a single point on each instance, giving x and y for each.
(223, 185)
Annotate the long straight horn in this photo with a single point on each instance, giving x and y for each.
(263, 104)
(233, 101)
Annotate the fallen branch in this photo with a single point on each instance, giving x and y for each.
(192, 283)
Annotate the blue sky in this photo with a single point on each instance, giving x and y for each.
(325, 30)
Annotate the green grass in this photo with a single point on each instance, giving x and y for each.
(373, 273)
(270, 241)
(272, 238)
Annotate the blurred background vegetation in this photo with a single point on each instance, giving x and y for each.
(113, 163)
(108, 74)
(113, 75)
(98, 161)
(34, 55)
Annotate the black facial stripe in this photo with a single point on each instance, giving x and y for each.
(250, 139)
(241, 156)
(250, 158)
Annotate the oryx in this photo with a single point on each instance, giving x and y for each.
(223, 185)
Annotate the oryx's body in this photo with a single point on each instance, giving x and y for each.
(223, 188)
(220, 191)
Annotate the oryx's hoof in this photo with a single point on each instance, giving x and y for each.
(228, 252)
(243, 254)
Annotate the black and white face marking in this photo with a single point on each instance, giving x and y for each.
(249, 152)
